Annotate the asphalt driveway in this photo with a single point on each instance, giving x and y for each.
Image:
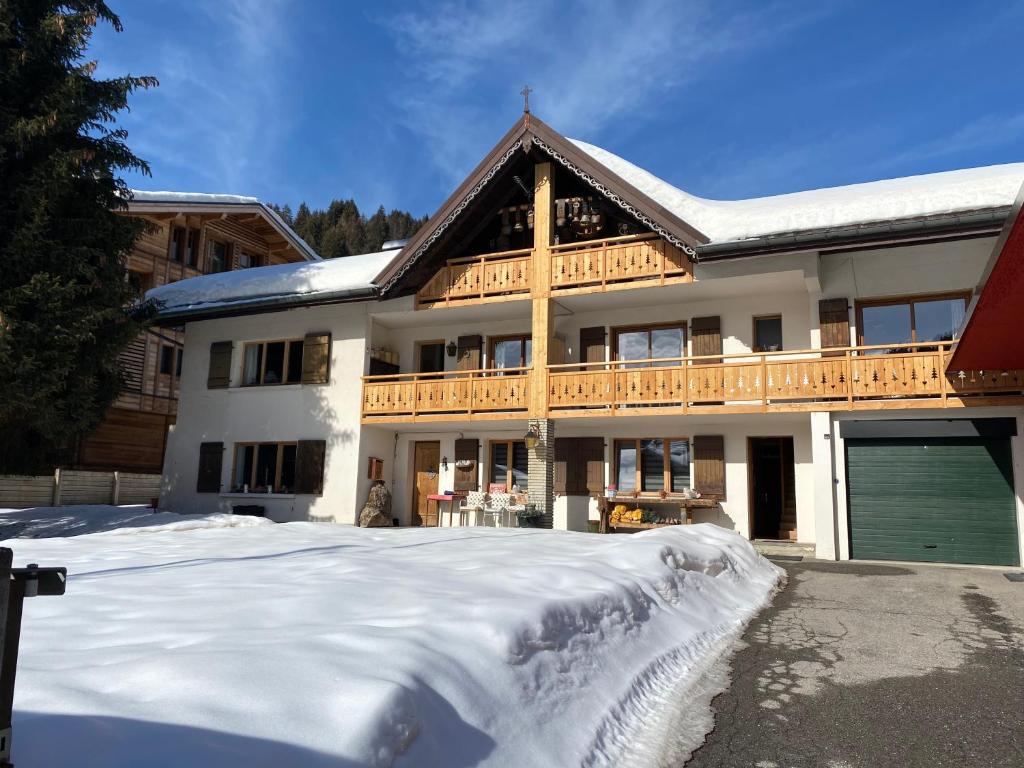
(866, 666)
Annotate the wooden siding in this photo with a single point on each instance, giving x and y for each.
(767, 382)
(594, 265)
(126, 439)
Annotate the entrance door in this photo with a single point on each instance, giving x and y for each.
(773, 488)
(427, 455)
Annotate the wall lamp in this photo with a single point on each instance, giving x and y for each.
(451, 349)
(531, 438)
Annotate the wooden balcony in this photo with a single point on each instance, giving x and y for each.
(854, 378)
(586, 267)
(461, 394)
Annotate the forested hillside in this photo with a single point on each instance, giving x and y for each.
(341, 230)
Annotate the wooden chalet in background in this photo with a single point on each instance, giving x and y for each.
(191, 235)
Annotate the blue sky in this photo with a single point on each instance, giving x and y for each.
(393, 103)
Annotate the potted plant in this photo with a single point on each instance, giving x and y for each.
(528, 516)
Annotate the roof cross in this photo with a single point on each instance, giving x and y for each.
(527, 90)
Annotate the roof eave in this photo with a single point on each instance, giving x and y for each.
(968, 224)
(179, 316)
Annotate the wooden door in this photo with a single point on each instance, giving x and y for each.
(427, 456)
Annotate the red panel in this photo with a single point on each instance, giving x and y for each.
(994, 336)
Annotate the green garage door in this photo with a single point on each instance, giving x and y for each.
(934, 499)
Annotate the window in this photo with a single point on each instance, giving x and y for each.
(909, 320)
(652, 465)
(272, 362)
(264, 468)
(140, 282)
(647, 342)
(218, 257)
(192, 248)
(247, 260)
(431, 358)
(177, 250)
(177, 366)
(166, 359)
(768, 334)
(509, 465)
(511, 352)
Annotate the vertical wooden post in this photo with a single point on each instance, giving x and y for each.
(849, 380)
(117, 488)
(764, 383)
(56, 487)
(543, 329)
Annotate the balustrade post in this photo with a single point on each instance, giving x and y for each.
(943, 381)
(764, 383)
(849, 379)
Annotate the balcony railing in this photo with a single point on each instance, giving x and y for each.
(593, 265)
(451, 392)
(479, 277)
(596, 264)
(854, 378)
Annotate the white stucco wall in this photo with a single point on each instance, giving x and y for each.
(274, 413)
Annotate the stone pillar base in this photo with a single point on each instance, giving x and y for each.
(542, 471)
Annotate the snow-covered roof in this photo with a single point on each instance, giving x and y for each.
(144, 196)
(348, 275)
(932, 194)
(141, 198)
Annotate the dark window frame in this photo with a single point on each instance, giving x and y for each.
(638, 483)
(909, 300)
(278, 466)
(759, 347)
(289, 345)
(176, 251)
(493, 341)
(510, 466)
(649, 327)
(166, 363)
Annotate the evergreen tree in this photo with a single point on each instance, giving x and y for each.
(341, 230)
(63, 243)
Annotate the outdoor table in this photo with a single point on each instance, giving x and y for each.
(437, 498)
(686, 507)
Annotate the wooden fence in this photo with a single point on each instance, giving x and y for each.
(66, 487)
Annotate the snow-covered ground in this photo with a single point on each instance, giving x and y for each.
(309, 644)
(74, 520)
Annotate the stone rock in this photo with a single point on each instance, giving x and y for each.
(377, 510)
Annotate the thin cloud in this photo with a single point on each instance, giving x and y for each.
(603, 65)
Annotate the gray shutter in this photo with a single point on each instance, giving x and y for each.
(467, 449)
(211, 458)
(219, 375)
(709, 465)
(707, 337)
(309, 466)
(316, 358)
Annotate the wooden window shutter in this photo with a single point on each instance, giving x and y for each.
(467, 449)
(592, 346)
(470, 350)
(834, 323)
(564, 449)
(707, 337)
(316, 358)
(709, 465)
(591, 466)
(211, 457)
(309, 466)
(219, 375)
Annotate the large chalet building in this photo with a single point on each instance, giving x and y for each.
(191, 234)
(570, 327)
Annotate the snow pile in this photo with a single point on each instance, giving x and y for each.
(46, 522)
(348, 273)
(930, 194)
(320, 645)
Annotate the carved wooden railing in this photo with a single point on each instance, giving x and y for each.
(463, 392)
(836, 379)
(478, 277)
(592, 265)
(598, 263)
(833, 379)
